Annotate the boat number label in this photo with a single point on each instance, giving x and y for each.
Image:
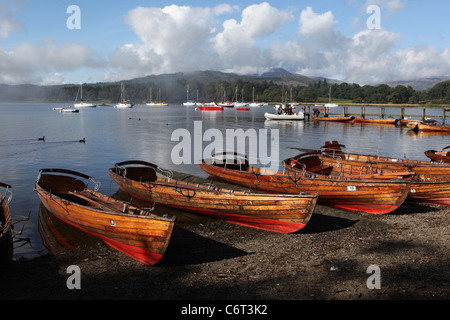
(351, 188)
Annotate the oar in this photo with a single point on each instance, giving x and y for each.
(304, 149)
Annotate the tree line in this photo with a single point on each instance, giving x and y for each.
(241, 90)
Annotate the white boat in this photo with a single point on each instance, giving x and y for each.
(69, 110)
(188, 102)
(123, 102)
(151, 103)
(285, 111)
(240, 103)
(285, 116)
(256, 104)
(82, 103)
(122, 105)
(329, 104)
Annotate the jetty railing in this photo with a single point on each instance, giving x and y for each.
(367, 111)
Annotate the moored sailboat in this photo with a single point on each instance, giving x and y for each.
(123, 103)
(83, 103)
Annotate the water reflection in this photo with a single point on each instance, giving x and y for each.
(58, 236)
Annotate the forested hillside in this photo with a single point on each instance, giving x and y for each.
(210, 85)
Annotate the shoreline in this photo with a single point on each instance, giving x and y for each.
(216, 260)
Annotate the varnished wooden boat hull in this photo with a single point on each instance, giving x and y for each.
(376, 121)
(433, 128)
(334, 156)
(430, 185)
(278, 213)
(430, 189)
(142, 237)
(371, 196)
(333, 119)
(442, 156)
(6, 244)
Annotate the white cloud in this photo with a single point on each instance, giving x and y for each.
(237, 45)
(319, 26)
(227, 38)
(174, 38)
(181, 38)
(8, 23)
(32, 63)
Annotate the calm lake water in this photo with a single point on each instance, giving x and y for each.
(144, 133)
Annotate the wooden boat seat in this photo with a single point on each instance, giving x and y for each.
(61, 184)
(235, 165)
(141, 174)
(309, 163)
(104, 204)
(96, 202)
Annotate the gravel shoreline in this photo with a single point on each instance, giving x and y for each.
(214, 260)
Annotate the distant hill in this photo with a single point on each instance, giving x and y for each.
(208, 84)
(419, 84)
(275, 74)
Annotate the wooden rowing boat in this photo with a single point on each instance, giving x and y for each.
(443, 156)
(371, 196)
(431, 183)
(333, 119)
(419, 127)
(6, 246)
(278, 213)
(312, 163)
(333, 155)
(376, 121)
(133, 231)
(406, 122)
